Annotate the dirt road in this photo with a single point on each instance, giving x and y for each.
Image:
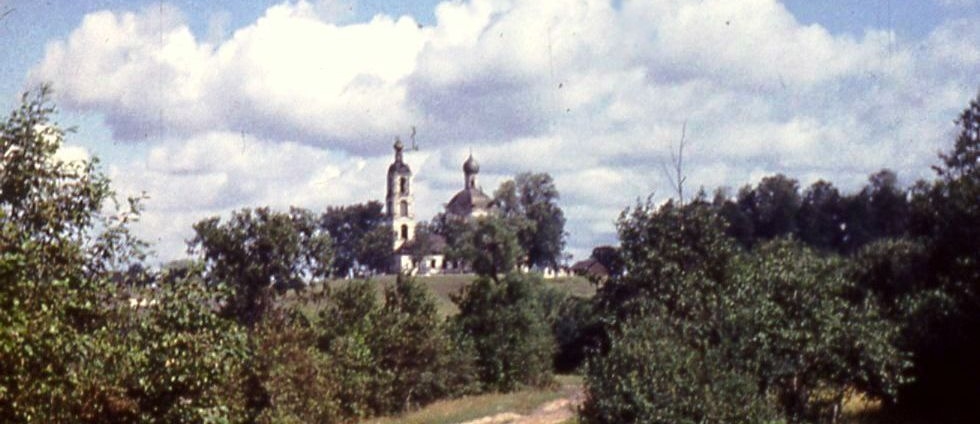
(554, 412)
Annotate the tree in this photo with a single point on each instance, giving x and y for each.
(454, 230)
(675, 254)
(390, 356)
(609, 257)
(948, 219)
(491, 247)
(734, 336)
(530, 201)
(57, 252)
(651, 374)
(506, 323)
(821, 216)
(809, 338)
(879, 210)
(356, 237)
(772, 205)
(256, 252)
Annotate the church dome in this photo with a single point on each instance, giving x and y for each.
(471, 166)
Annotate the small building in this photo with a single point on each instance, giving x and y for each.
(591, 268)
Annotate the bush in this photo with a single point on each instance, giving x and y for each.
(508, 328)
(391, 356)
(652, 374)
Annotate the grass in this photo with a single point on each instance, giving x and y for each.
(472, 407)
(443, 287)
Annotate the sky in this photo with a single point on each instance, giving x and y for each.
(208, 107)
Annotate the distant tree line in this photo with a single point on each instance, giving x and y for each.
(775, 306)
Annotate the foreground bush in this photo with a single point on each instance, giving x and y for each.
(506, 323)
(699, 331)
(391, 356)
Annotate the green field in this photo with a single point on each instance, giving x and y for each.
(443, 286)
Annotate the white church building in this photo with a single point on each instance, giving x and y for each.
(470, 202)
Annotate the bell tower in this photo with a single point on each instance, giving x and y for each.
(399, 202)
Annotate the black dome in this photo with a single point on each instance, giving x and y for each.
(471, 166)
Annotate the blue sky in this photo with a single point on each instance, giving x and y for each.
(213, 106)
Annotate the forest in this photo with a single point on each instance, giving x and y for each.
(769, 305)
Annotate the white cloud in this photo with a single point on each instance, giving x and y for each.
(300, 107)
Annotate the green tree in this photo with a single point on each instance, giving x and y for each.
(530, 201)
(735, 336)
(508, 327)
(948, 218)
(806, 335)
(57, 250)
(651, 373)
(772, 205)
(355, 233)
(491, 247)
(256, 252)
(821, 216)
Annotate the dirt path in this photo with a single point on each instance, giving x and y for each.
(554, 412)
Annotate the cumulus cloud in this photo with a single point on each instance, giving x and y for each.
(300, 106)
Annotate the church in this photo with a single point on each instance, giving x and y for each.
(470, 202)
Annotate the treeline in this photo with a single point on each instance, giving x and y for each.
(772, 306)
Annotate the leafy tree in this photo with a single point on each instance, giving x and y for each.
(375, 249)
(807, 337)
(57, 251)
(609, 257)
(735, 336)
(256, 252)
(675, 254)
(176, 359)
(394, 355)
(454, 230)
(651, 373)
(531, 202)
(948, 217)
(355, 232)
(491, 247)
(879, 210)
(298, 382)
(821, 216)
(773, 205)
(507, 325)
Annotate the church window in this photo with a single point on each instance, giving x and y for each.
(404, 232)
(403, 185)
(403, 208)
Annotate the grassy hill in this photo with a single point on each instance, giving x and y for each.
(443, 286)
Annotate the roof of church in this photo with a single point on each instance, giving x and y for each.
(399, 167)
(467, 200)
(436, 245)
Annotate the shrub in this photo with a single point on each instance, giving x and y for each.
(507, 325)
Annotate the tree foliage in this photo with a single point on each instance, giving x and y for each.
(508, 327)
(530, 202)
(736, 336)
(258, 251)
(360, 237)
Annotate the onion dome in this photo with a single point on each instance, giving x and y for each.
(471, 166)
